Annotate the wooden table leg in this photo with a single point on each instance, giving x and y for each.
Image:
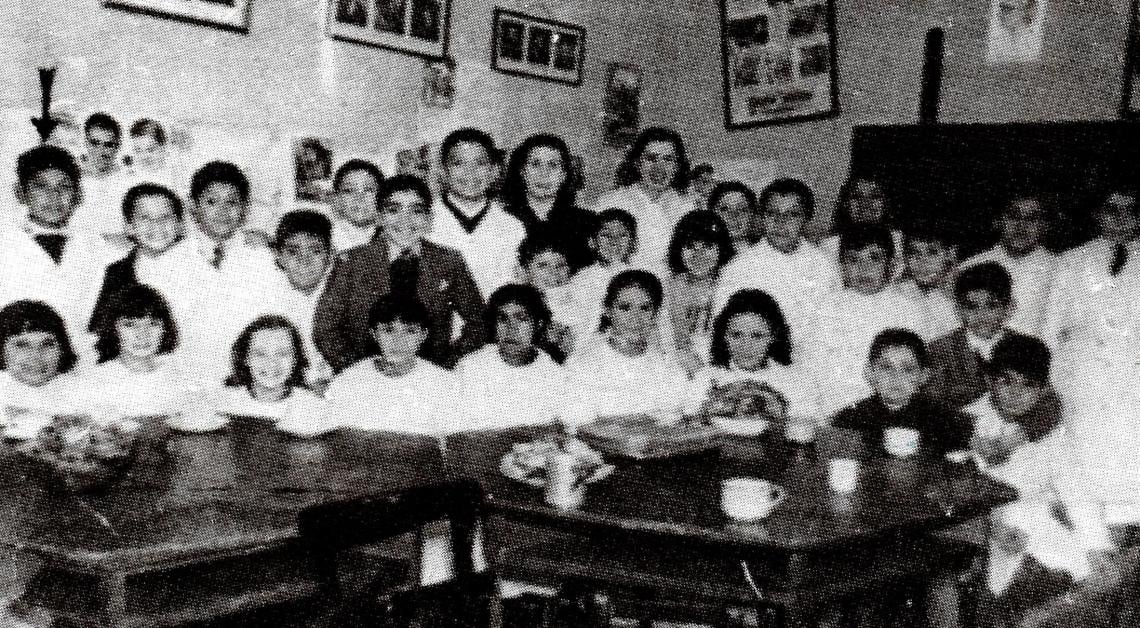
(113, 592)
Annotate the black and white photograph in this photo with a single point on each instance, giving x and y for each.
(434, 314)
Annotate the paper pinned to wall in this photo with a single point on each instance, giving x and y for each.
(1016, 31)
(477, 102)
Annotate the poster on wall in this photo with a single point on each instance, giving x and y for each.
(417, 27)
(621, 105)
(1016, 31)
(779, 61)
(438, 89)
(312, 170)
(226, 14)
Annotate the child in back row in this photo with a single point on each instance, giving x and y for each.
(928, 278)
(699, 249)
(355, 204)
(545, 264)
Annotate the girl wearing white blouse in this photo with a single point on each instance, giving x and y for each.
(750, 343)
(700, 248)
(36, 359)
(627, 373)
(512, 382)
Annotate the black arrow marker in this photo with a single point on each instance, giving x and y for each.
(45, 124)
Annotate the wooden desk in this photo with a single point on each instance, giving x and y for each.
(659, 525)
(207, 534)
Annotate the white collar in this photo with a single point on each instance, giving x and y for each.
(984, 347)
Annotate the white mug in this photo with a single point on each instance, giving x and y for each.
(748, 499)
(843, 474)
(901, 442)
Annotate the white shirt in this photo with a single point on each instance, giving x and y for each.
(655, 219)
(111, 389)
(605, 383)
(799, 281)
(497, 395)
(301, 413)
(938, 315)
(796, 383)
(491, 250)
(282, 298)
(25, 410)
(346, 235)
(419, 402)
(102, 209)
(984, 346)
(1032, 276)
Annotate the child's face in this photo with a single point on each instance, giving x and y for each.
(102, 148)
(1022, 226)
(866, 270)
(220, 210)
(304, 257)
(548, 269)
(32, 358)
(613, 243)
(469, 171)
(784, 219)
(734, 210)
(355, 199)
(399, 342)
(896, 375)
(51, 196)
(154, 226)
(868, 202)
(404, 219)
(148, 153)
(271, 358)
(514, 333)
(1117, 217)
(1013, 394)
(700, 258)
(928, 261)
(983, 314)
(544, 172)
(748, 337)
(658, 164)
(632, 313)
(139, 337)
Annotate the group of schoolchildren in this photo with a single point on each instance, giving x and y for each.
(404, 310)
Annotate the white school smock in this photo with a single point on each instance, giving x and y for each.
(25, 410)
(496, 395)
(301, 413)
(603, 383)
(655, 219)
(938, 315)
(419, 402)
(1032, 276)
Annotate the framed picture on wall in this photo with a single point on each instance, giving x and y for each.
(1130, 95)
(416, 27)
(779, 61)
(532, 46)
(227, 14)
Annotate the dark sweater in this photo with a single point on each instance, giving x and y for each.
(942, 430)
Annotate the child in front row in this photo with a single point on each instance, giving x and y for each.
(896, 369)
(397, 391)
(355, 203)
(928, 277)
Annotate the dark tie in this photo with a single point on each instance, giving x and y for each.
(216, 257)
(52, 244)
(1119, 259)
(405, 273)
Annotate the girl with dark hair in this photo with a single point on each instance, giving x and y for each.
(736, 205)
(627, 372)
(862, 201)
(36, 359)
(751, 345)
(539, 189)
(653, 185)
(513, 380)
(701, 246)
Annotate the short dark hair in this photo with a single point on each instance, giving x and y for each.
(628, 172)
(24, 316)
(895, 337)
(700, 226)
(392, 308)
(763, 305)
(45, 157)
(541, 241)
(239, 356)
(467, 135)
(858, 237)
(643, 279)
(991, 277)
(616, 214)
(145, 126)
(404, 183)
(358, 165)
(725, 188)
(786, 186)
(926, 232)
(103, 120)
(303, 221)
(143, 190)
(135, 301)
(1025, 355)
(528, 297)
(219, 172)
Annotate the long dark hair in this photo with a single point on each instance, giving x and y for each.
(628, 172)
(514, 182)
(763, 305)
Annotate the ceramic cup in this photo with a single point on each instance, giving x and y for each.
(901, 442)
(749, 499)
(843, 474)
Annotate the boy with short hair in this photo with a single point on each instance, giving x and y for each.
(1023, 223)
(42, 257)
(468, 219)
(784, 264)
(396, 391)
(851, 317)
(355, 203)
(896, 369)
(545, 265)
(402, 261)
(104, 181)
(930, 258)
